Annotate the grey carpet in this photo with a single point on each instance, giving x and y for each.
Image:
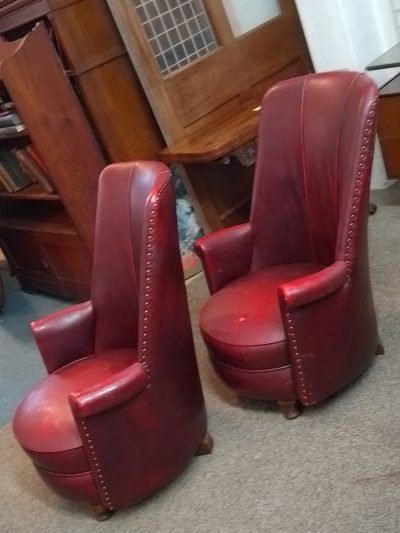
(334, 469)
(20, 366)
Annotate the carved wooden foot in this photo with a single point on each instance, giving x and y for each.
(206, 445)
(290, 409)
(380, 350)
(101, 513)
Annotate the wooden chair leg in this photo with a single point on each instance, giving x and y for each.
(205, 446)
(290, 409)
(100, 513)
(380, 350)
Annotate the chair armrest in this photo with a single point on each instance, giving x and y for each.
(225, 255)
(307, 289)
(110, 393)
(65, 336)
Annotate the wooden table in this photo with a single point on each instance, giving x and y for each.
(217, 166)
(389, 59)
(389, 111)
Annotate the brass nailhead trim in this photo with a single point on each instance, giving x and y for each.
(148, 279)
(95, 460)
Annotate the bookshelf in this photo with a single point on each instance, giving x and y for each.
(83, 106)
(31, 193)
(47, 236)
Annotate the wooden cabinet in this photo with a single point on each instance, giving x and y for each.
(48, 237)
(50, 259)
(389, 126)
(77, 93)
(205, 89)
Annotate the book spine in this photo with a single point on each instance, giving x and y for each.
(6, 181)
(6, 131)
(19, 178)
(33, 169)
(32, 152)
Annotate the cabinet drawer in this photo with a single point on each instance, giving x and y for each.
(55, 263)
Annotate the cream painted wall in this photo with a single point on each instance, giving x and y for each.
(349, 34)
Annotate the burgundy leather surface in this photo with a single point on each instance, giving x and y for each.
(79, 487)
(276, 383)
(116, 426)
(225, 254)
(43, 420)
(309, 205)
(242, 322)
(66, 335)
(248, 357)
(315, 286)
(110, 392)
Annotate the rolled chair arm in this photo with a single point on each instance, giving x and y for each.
(65, 336)
(110, 393)
(225, 255)
(313, 287)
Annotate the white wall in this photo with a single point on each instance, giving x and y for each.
(349, 34)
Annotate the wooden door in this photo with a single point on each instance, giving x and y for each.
(195, 66)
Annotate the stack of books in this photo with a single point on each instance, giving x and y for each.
(20, 167)
(10, 123)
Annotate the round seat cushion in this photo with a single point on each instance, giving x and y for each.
(43, 423)
(242, 323)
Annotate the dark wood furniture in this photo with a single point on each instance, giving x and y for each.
(81, 113)
(99, 69)
(205, 109)
(47, 238)
(389, 126)
(389, 111)
(218, 164)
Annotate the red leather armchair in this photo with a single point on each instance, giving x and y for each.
(122, 409)
(291, 316)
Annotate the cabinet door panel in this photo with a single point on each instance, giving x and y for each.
(25, 254)
(67, 257)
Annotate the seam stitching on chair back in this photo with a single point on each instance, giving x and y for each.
(310, 236)
(130, 231)
(148, 277)
(304, 387)
(363, 166)
(339, 145)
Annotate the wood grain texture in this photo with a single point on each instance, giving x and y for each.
(205, 108)
(228, 74)
(210, 144)
(388, 126)
(52, 114)
(148, 72)
(47, 255)
(109, 87)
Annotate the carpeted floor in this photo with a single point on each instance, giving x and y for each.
(334, 469)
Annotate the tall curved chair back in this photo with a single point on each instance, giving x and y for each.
(314, 144)
(303, 324)
(122, 408)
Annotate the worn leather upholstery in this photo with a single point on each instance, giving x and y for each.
(121, 410)
(291, 314)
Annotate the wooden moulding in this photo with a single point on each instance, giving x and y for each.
(18, 12)
(213, 143)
